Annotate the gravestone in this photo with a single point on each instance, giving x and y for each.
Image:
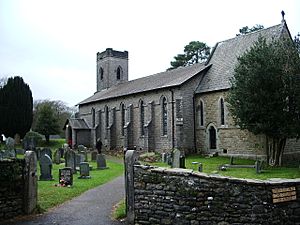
(29, 143)
(83, 150)
(46, 151)
(30, 185)
(94, 155)
(70, 160)
(176, 158)
(101, 162)
(66, 176)
(46, 167)
(9, 150)
(182, 162)
(84, 169)
(79, 159)
(17, 139)
(57, 157)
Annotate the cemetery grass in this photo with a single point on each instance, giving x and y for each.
(211, 166)
(50, 196)
(119, 211)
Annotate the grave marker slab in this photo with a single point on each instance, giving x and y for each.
(84, 169)
(66, 176)
(70, 160)
(79, 159)
(101, 162)
(46, 167)
(46, 151)
(176, 158)
(94, 155)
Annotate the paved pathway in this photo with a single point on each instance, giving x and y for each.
(91, 208)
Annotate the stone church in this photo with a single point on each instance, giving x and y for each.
(184, 108)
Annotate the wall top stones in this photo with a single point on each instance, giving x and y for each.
(189, 172)
(109, 52)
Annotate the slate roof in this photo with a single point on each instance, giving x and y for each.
(166, 79)
(77, 124)
(225, 54)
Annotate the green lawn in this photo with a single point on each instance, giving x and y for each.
(211, 166)
(49, 195)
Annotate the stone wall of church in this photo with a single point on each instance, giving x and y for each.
(230, 139)
(161, 142)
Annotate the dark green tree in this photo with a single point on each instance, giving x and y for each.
(247, 30)
(15, 107)
(61, 110)
(47, 121)
(194, 52)
(265, 93)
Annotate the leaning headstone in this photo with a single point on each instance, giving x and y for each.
(101, 162)
(9, 151)
(84, 171)
(94, 155)
(66, 176)
(46, 167)
(176, 158)
(46, 151)
(79, 159)
(70, 160)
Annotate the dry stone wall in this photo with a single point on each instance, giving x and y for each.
(179, 196)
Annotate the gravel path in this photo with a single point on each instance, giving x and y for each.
(91, 208)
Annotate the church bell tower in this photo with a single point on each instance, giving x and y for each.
(112, 68)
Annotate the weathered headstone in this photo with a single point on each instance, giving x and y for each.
(70, 160)
(9, 151)
(84, 169)
(94, 155)
(46, 151)
(57, 157)
(176, 158)
(29, 143)
(65, 176)
(46, 167)
(17, 139)
(79, 159)
(83, 150)
(101, 162)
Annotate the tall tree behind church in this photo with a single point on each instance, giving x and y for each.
(194, 52)
(15, 107)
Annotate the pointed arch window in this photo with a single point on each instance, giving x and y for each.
(101, 73)
(212, 138)
(119, 72)
(122, 118)
(142, 117)
(222, 111)
(164, 117)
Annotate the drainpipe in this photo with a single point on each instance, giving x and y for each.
(173, 119)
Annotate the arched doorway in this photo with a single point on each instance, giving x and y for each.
(212, 138)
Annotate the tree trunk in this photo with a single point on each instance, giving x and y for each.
(275, 147)
(47, 136)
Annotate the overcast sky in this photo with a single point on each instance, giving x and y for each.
(52, 44)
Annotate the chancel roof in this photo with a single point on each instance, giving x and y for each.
(225, 54)
(153, 82)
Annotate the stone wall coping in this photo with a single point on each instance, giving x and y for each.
(190, 172)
